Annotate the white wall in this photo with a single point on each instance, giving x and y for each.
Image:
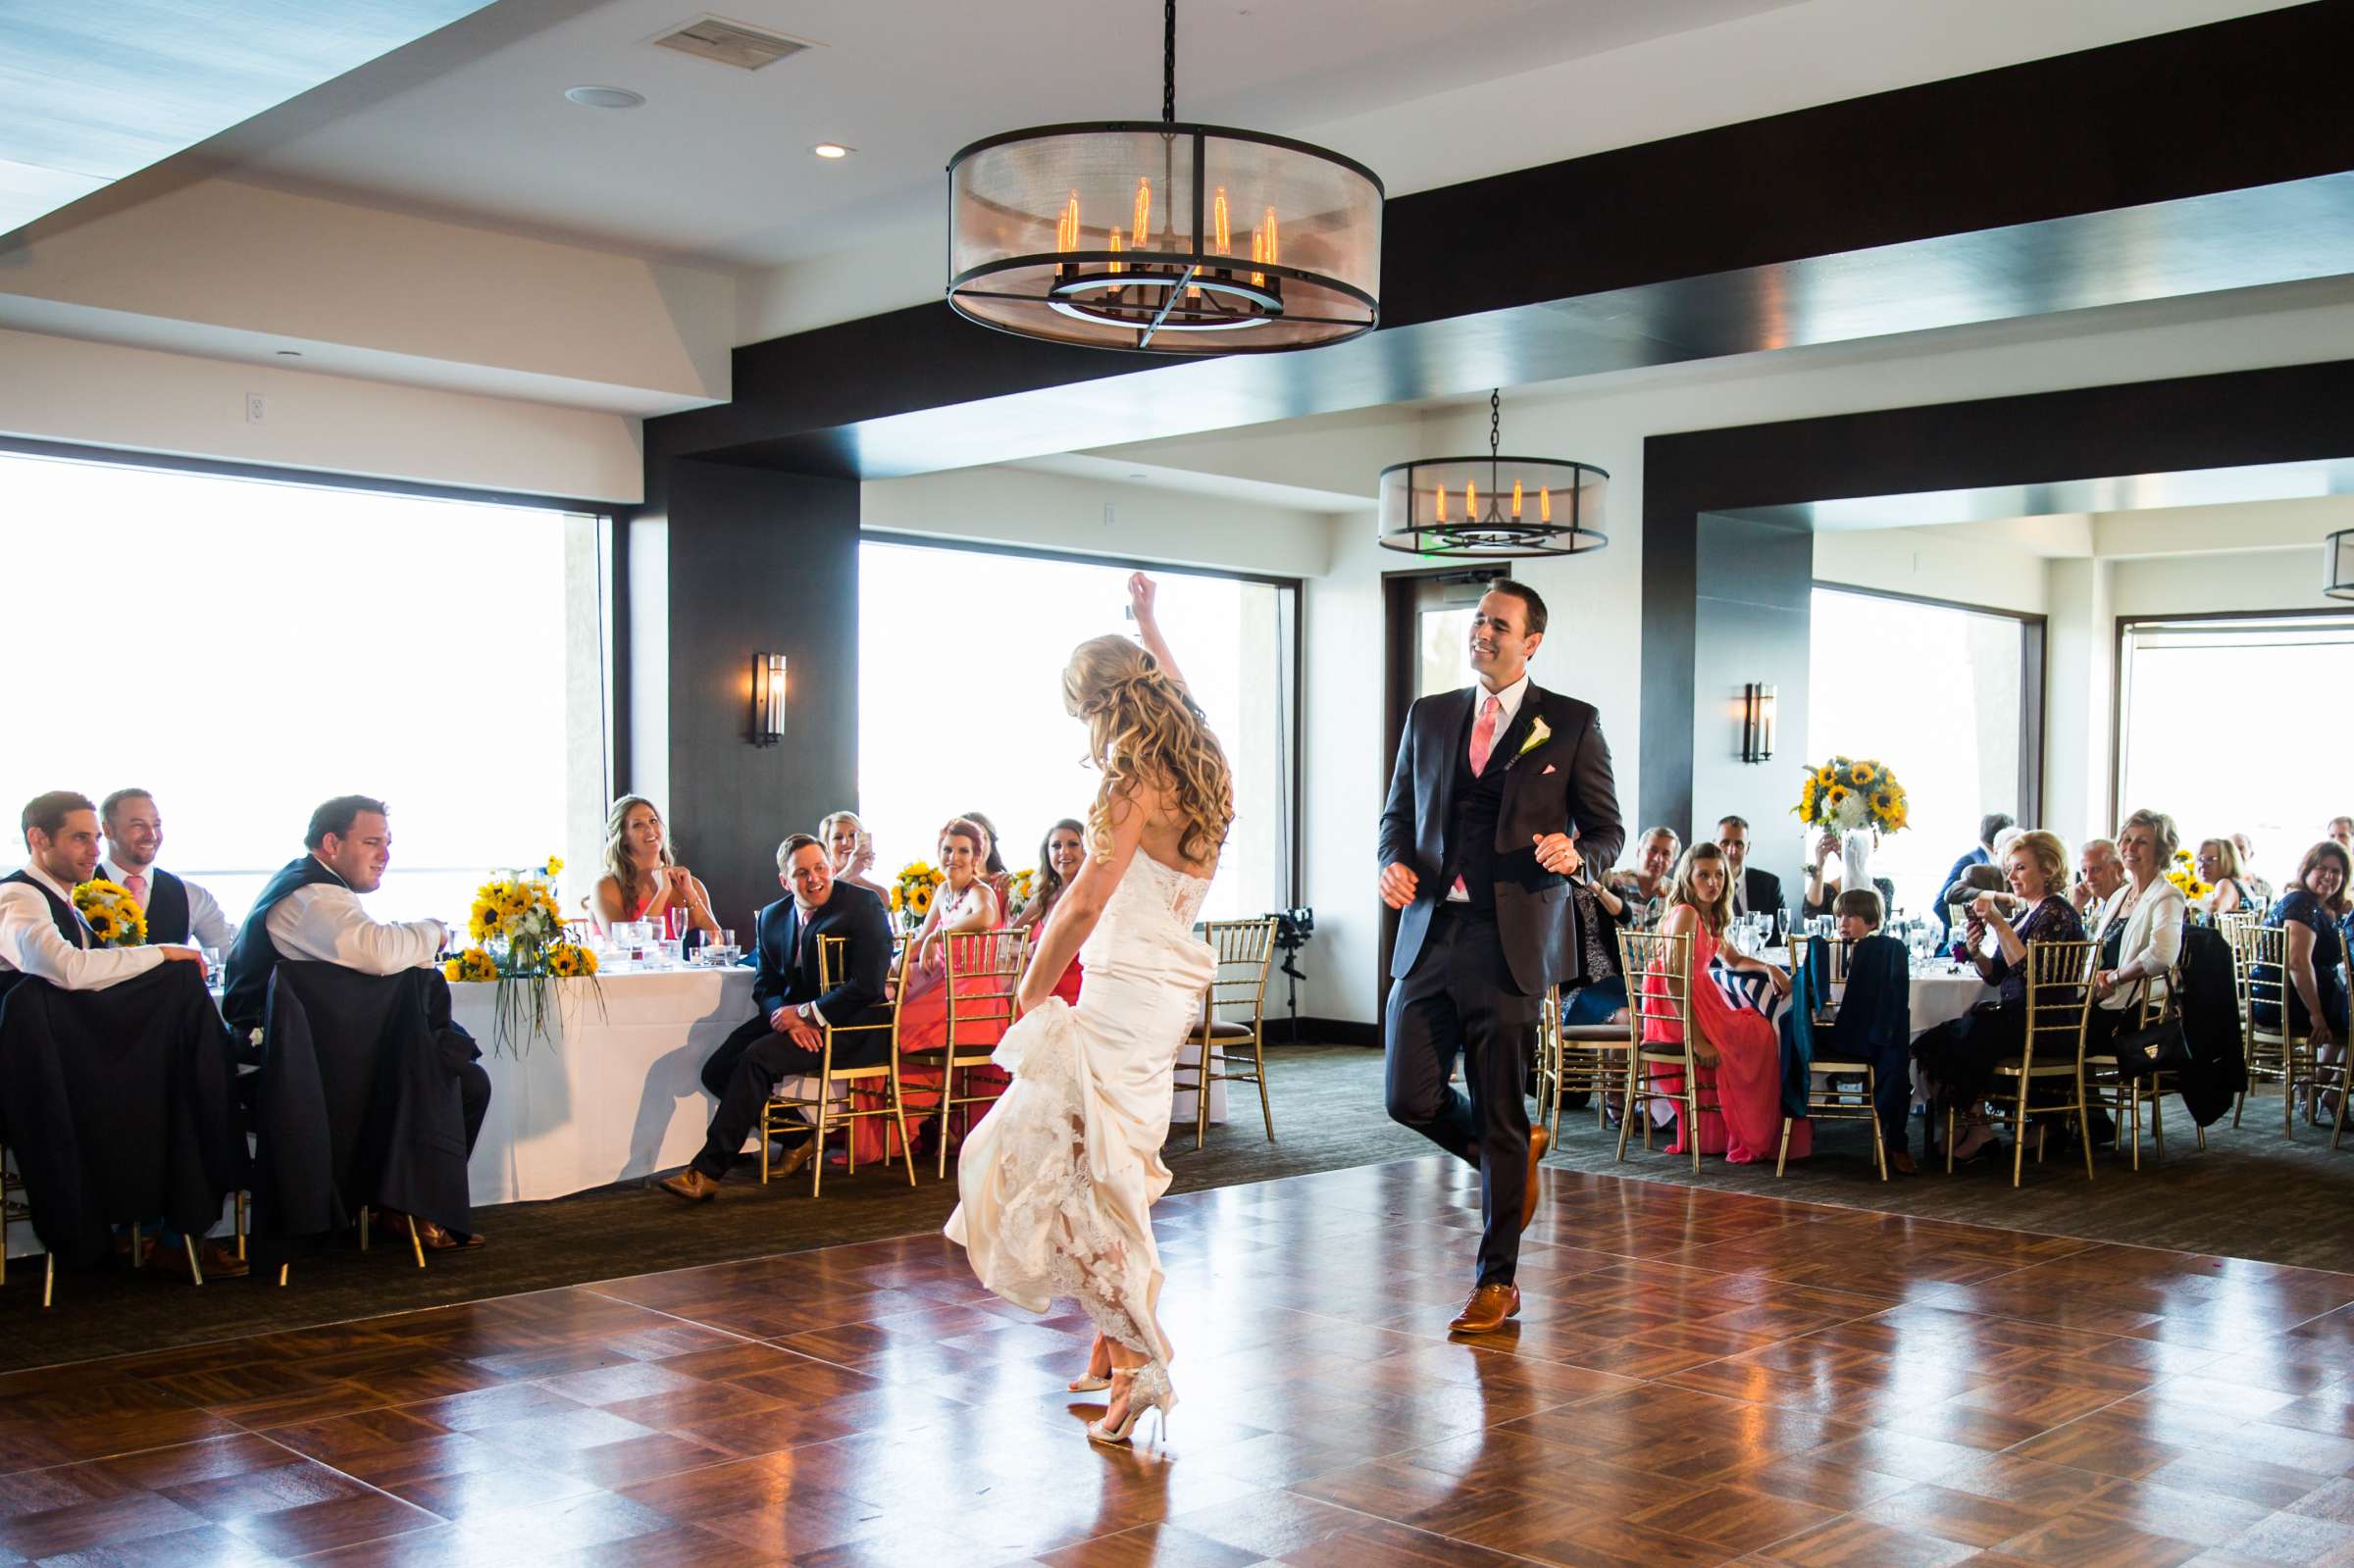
(139, 400)
(1938, 563)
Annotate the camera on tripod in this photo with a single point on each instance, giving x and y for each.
(1293, 929)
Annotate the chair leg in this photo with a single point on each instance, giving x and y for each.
(2083, 1123)
(195, 1268)
(1949, 1140)
(240, 1227)
(948, 1091)
(2157, 1129)
(363, 1227)
(766, 1111)
(1202, 1100)
(49, 1280)
(1692, 1110)
(1872, 1102)
(817, 1132)
(1783, 1154)
(415, 1242)
(898, 1115)
(1258, 1054)
(1626, 1110)
(2240, 1104)
(2019, 1133)
(281, 1275)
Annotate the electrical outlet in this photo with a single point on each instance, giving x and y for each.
(254, 408)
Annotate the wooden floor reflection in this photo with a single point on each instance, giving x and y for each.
(1697, 1378)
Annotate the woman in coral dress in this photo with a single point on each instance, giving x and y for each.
(1059, 856)
(1745, 1077)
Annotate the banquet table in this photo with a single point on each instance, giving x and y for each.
(614, 1091)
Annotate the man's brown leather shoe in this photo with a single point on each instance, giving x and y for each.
(1485, 1310)
(692, 1185)
(1539, 1140)
(1901, 1161)
(797, 1154)
(431, 1236)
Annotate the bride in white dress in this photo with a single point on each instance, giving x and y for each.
(1059, 1181)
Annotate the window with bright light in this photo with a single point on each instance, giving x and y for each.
(247, 648)
(961, 709)
(1937, 694)
(2279, 679)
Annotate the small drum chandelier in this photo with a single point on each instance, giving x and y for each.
(1493, 508)
(1168, 238)
(2337, 565)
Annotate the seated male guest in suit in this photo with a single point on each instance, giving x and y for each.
(786, 1038)
(1755, 891)
(310, 911)
(177, 911)
(41, 934)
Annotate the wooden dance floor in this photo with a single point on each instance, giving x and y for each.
(1697, 1378)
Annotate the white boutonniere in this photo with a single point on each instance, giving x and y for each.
(1538, 735)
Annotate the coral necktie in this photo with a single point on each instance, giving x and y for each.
(136, 881)
(1483, 741)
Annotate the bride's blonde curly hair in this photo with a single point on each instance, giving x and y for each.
(1141, 726)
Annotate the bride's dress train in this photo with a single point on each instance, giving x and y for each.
(1057, 1180)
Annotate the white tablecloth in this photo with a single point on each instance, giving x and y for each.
(1940, 996)
(617, 1093)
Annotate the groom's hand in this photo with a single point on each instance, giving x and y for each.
(1558, 853)
(1398, 884)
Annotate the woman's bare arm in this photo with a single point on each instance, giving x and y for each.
(1081, 904)
(1141, 591)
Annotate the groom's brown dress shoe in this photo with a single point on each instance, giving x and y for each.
(1485, 1310)
(692, 1185)
(1539, 1140)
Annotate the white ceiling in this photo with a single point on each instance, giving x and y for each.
(716, 165)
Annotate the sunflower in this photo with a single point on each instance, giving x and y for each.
(1862, 772)
(471, 965)
(556, 865)
(101, 921)
(898, 895)
(1838, 795)
(920, 900)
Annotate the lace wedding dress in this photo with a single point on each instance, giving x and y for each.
(1059, 1181)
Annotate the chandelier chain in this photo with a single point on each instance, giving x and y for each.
(1495, 421)
(1168, 61)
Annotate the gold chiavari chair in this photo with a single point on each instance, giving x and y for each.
(2278, 1049)
(2051, 1049)
(985, 975)
(2151, 1010)
(815, 1102)
(1245, 950)
(1826, 1101)
(2262, 1050)
(1576, 1059)
(1640, 953)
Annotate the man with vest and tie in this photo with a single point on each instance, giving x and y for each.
(785, 1037)
(311, 911)
(177, 911)
(1501, 794)
(41, 932)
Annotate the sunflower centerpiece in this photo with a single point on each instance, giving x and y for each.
(1858, 799)
(520, 945)
(2183, 872)
(911, 895)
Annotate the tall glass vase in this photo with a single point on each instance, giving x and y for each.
(1855, 860)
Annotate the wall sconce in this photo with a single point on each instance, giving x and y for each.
(768, 698)
(1758, 703)
(2338, 564)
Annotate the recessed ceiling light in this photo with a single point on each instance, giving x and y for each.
(605, 97)
(832, 149)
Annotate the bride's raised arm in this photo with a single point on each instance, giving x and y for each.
(1141, 591)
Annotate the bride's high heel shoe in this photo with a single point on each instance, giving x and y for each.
(1148, 1389)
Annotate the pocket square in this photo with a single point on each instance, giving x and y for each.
(1548, 769)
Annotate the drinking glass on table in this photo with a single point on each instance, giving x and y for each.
(727, 946)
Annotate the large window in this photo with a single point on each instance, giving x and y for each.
(1944, 696)
(247, 648)
(2238, 725)
(960, 700)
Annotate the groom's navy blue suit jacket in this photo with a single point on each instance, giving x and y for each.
(1561, 784)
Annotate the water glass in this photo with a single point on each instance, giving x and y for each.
(669, 949)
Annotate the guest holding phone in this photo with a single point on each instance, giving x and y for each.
(851, 848)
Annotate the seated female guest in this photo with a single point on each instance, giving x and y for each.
(992, 864)
(851, 850)
(964, 903)
(1740, 1049)
(1060, 857)
(1958, 1057)
(2219, 864)
(2312, 910)
(2139, 931)
(642, 882)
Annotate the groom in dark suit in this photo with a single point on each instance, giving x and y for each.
(1500, 796)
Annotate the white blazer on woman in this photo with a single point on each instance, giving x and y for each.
(2152, 942)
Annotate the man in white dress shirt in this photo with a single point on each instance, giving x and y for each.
(178, 911)
(41, 934)
(311, 910)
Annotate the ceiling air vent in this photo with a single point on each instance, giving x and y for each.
(731, 43)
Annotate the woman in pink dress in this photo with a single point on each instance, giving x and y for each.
(1745, 1075)
(965, 903)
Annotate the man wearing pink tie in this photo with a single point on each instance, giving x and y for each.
(178, 911)
(1500, 796)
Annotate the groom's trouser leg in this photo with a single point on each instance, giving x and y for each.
(1458, 999)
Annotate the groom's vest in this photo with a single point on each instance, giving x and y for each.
(1471, 821)
(68, 919)
(252, 957)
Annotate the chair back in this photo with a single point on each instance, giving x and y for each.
(2058, 999)
(2261, 951)
(831, 956)
(1641, 954)
(1244, 949)
(985, 975)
